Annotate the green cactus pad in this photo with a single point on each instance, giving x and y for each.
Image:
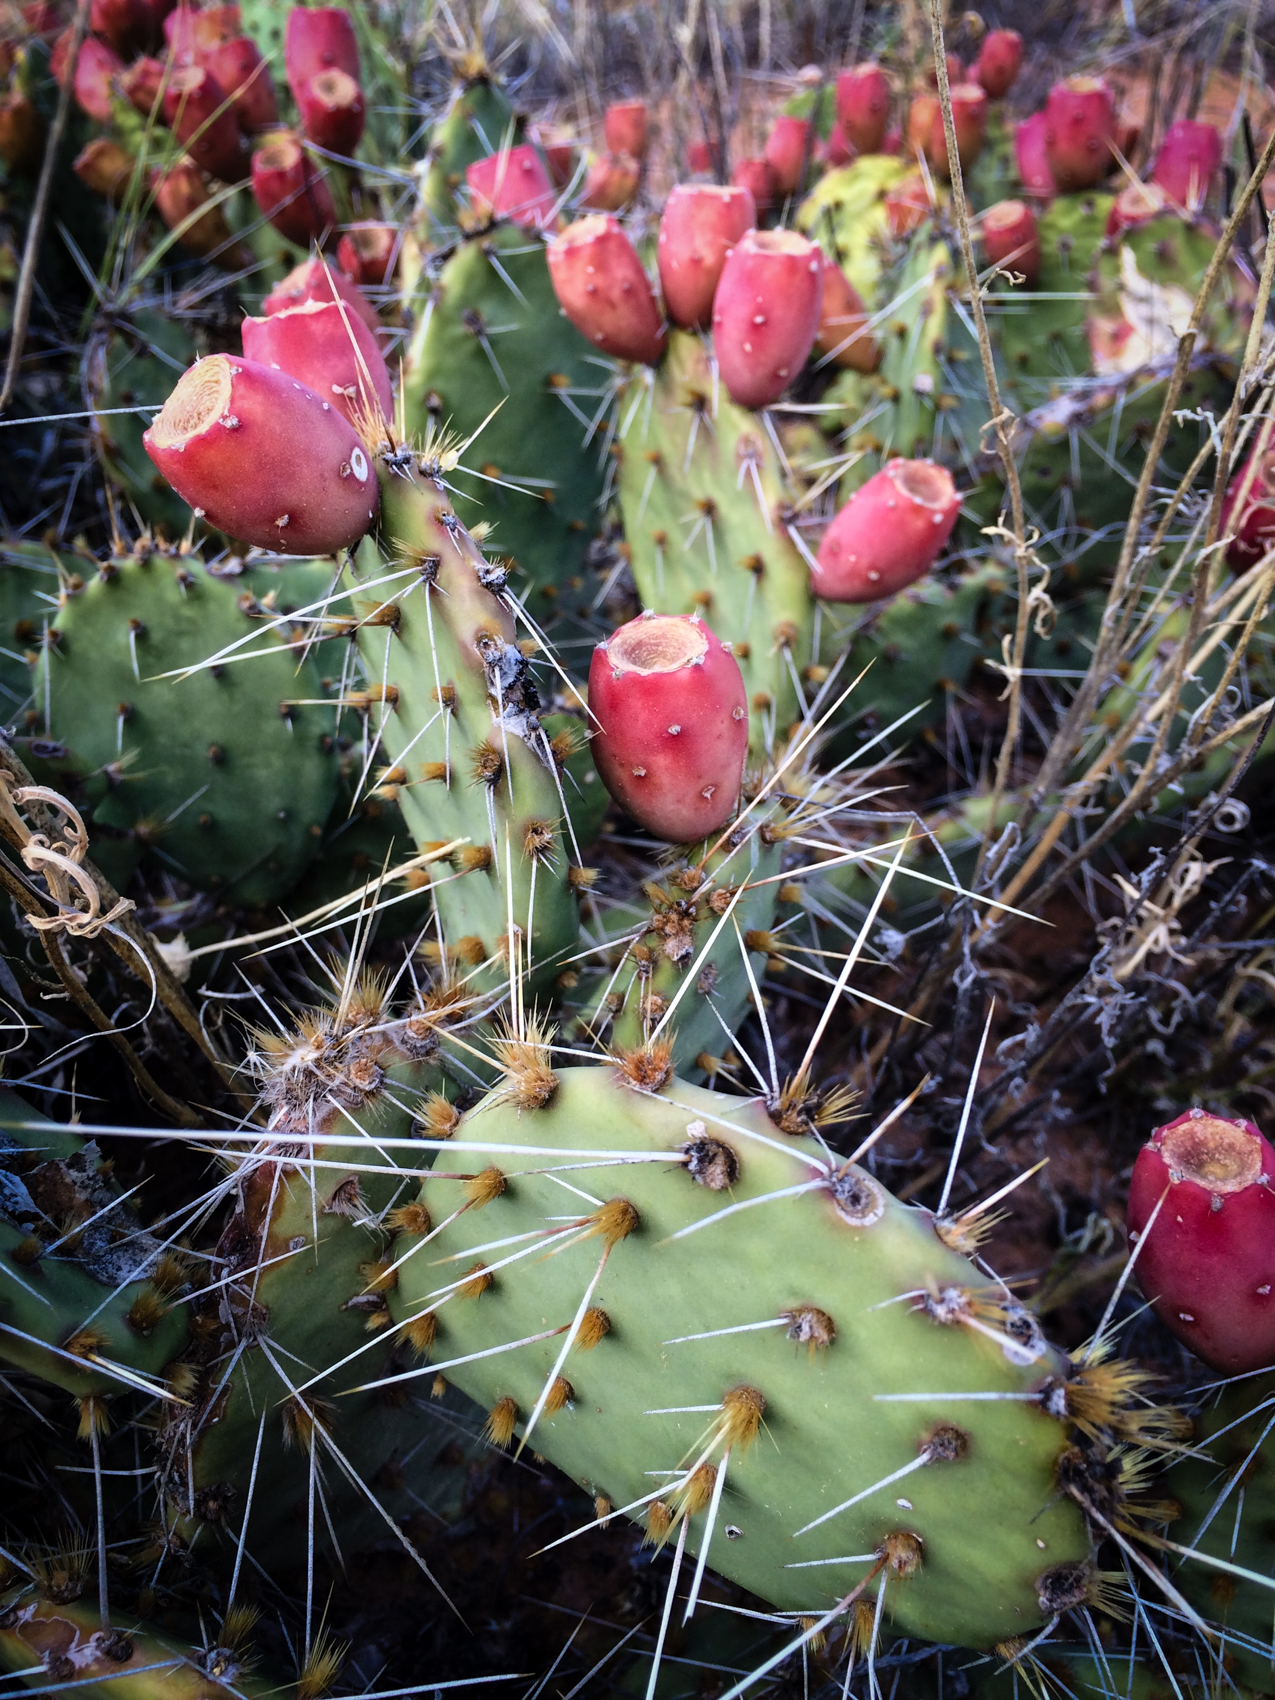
(137, 365)
(478, 120)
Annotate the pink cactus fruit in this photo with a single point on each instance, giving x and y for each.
(332, 352)
(888, 535)
(559, 151)
(262, 458)
(1137, 203)
(611, 182)
(699, 157)
(907, 204)
(1207, 1260)
(1254, 522)
(602, 288)
(1128, 136)
(368, 252)
(315, 280)
(203, 121)
(1080, 127)
(788, 152)
(125, 24)
(672, 717)
(333, 112)
(755, 175)
(843, 336)
(1031, 159)
(95, 71)
(863, 106)
(955, 71)
(626, 128)
(766, 313)
(838, 150)
(923, 113)
(179, 35)
(239, 68)
(969, 122)
(1000, 59)
(700, 224)
(140, 84)
(512, 184)
(318, 38)
(105, 168)
(291, 192)
(1010, 238)
(1187, 163)
(183, 191)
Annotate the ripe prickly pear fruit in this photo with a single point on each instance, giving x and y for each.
(1000, 59)
(863, 106)
(512, 184)
(838, 150)
(1128, 136)
(699, 156)
(239, 68)
(1032, 161)
(329, 349)
(969, 121)
(211, 25)
(315, 280)
(140, 84)
(787, 152)
(1010, 238)
(1137, 203)
(95, 73)
(1187, 162)
(907, 204)
(291, 193)
(125, 24)
(106, 168)
(924, 112)
(700, 224)
(333, 112)
(318, 38)
(766, 313)
(183, 190)
(559, 152)
(21, 132)
(611, 182)
(888, 535)
(368, 252)
(756, 176)
(672, 720)
(180, 37)
(602, 288)
(955, 71)
(842, 335)
(1254, 524)
(262, 458)
(625, 128)
(200, 116)
(1080, 127)
(1207, 1261)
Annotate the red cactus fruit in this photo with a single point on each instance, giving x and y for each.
(1080, 126)
(313, 280)
(1000, 59)
(955, 71)
(330, 349)
(1207, 1261)
(602, 288)
(105, 168)
(180, 194)
(888, 535)
(969, 121)
(368, 252)
(756, 176)
(140, 84)
(699, 157)
(1187, 163)
(262, 458)
(1010, 238)
(319, 38)
(611, 182)
(838, 150)
(843, 336)
(214, 24)
(95, 73)
(863, 106)
(559, 151)
(239, 68)
(21, 132)
(1254, 523)
(672, 733)
(766, 313)
(625, 127)
(923, 113)
(907, 204)
(179, 35)
(333, 112)
(1137, 203)
(512, 184)
(1032, 161)
(700, 224)
(126, 24)
(787, 152)
(203, 120)
(291, 191)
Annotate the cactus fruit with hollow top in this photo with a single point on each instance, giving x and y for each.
(367, 252)
(863, 106)
(1080, 127)
(291, 191)
(766, 313)
(319, 280)
(788, 148)
(202, 118)
(317, 39)
(890, 533)
(671, 720)
(700, 224)
(611, 182)
(969, 123)
(625, 127)
(844, 337)
(1187, 162)
(263, 458)
(239, 68)
(1202, 1225)
(1010, 238)
(754, 175)
(333, 111)
(602, 288)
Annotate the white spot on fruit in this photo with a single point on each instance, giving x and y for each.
(1185, 1316)
(639, 773)
(673, 731)
(283, 520)
(358, 460)
(737, 713)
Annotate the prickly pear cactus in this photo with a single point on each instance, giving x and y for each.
(478, 120)
(738, 1332)
(30, 585)
(135, 364)
(492, 355)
